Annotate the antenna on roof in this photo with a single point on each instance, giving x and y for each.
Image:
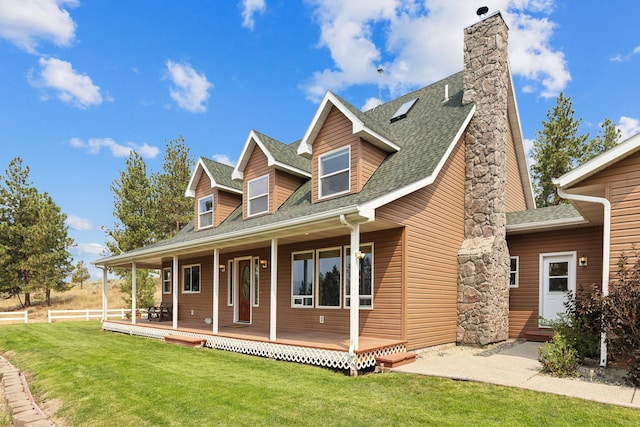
(482, 11)
(380, 74)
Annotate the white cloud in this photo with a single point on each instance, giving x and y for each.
(628, 127)
(72, 88)
(224, 159)
(415, 42)
(77, 223)
(190, 90)
(24, 22)
(94, 145)
(249, 9)
(370, 103)
(87, 249)
(636, 50)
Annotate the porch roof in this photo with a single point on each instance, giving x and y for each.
(547, 218)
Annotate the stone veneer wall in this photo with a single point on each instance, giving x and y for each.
(483, 260)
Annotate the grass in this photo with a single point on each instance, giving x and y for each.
(105, 379)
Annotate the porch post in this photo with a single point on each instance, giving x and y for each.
(174, 270)
(216, 288)
(134, 291)
(273, 310)
(105, 300)
(354, 280)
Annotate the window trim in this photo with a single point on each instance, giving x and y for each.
(303, 297)
(317, 278)
(516, 272)
(346, 262)
(322, 196)
(250, 197)
(190, 267)
(255, 294)
(164, 280)
(201, 214)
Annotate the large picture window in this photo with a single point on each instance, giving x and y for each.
(166, 280)
(258, 190)
(334, 172)
(191, 279)
(366, 277)
(329, 277)
(205, 212)
(302, 279)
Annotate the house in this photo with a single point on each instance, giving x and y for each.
(424, 202)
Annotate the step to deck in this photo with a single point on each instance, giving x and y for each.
(186, 341)
(396, 359)
(539, 335)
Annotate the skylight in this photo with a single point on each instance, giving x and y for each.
(402, 112)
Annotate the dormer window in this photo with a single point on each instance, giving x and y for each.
(258, 190)
(205, 212)
(334, 172)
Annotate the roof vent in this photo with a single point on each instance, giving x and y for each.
(402, 112)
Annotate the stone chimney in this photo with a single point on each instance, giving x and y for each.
(483, 260)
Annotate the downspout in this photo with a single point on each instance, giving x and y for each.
(606, 249)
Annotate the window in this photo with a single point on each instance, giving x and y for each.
(205, 212)
(513, 272)
(230, 282)
(366, 277)
(256, 282)
(302, 280)
(329, 277)
(166, 280)
(191, 279)
(558, 276)
(334, 172)
(258, 195)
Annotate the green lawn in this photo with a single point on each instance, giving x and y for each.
(109, 379)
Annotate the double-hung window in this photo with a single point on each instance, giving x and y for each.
(205, 212)
(334, 176)
(302, 279)
(166, 280)
(191, 279)
(513, 271)
(366, 277)
(258, 190)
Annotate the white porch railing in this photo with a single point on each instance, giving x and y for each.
(15, 315)
(87, 314)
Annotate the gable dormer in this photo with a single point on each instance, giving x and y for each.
(345, 147)
(215, 194)
(270, 171)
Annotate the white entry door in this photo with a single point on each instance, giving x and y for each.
(557, 277)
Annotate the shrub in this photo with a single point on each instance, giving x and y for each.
(558, 357)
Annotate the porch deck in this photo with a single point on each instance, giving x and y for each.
(314, 348)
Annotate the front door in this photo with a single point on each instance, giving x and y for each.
(244, 291)
(558, 276)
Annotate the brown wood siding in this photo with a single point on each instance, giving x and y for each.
(256, 167)
(524, 301)
(224, 203)
(433, 218)
(515, 190)
(285, 184)
(622, 188)
(200, 302)
(203, 189)
(337, 132)
(369, 158)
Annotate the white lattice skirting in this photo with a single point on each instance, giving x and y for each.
(291, 353)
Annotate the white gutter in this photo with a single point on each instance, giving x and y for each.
(606, 250)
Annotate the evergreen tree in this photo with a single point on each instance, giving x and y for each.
(607, 138)
(557, 149)
(80, 274)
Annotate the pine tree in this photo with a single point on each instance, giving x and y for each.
(607, 138)
(80, 274)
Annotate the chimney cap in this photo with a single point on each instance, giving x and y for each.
(482, 11)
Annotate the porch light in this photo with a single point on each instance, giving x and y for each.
(264, 263)
(583, 261)
(222, 267)
(359, 255)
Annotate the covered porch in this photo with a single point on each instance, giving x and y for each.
(325, 349)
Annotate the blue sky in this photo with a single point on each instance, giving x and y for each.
(84, 82)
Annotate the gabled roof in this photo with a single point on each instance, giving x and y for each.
(280, 155)
(600, 162)
(375, 132)
(218, 173)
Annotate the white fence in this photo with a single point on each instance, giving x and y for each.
(87, 314)
(14, 315)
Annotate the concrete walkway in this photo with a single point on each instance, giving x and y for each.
(514, 364)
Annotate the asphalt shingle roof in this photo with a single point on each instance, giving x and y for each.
(285, 153)
(539, 215)
(221, 173)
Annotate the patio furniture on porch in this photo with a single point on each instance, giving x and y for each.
(161, 312)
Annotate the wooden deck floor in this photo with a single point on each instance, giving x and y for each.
(310, 339)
